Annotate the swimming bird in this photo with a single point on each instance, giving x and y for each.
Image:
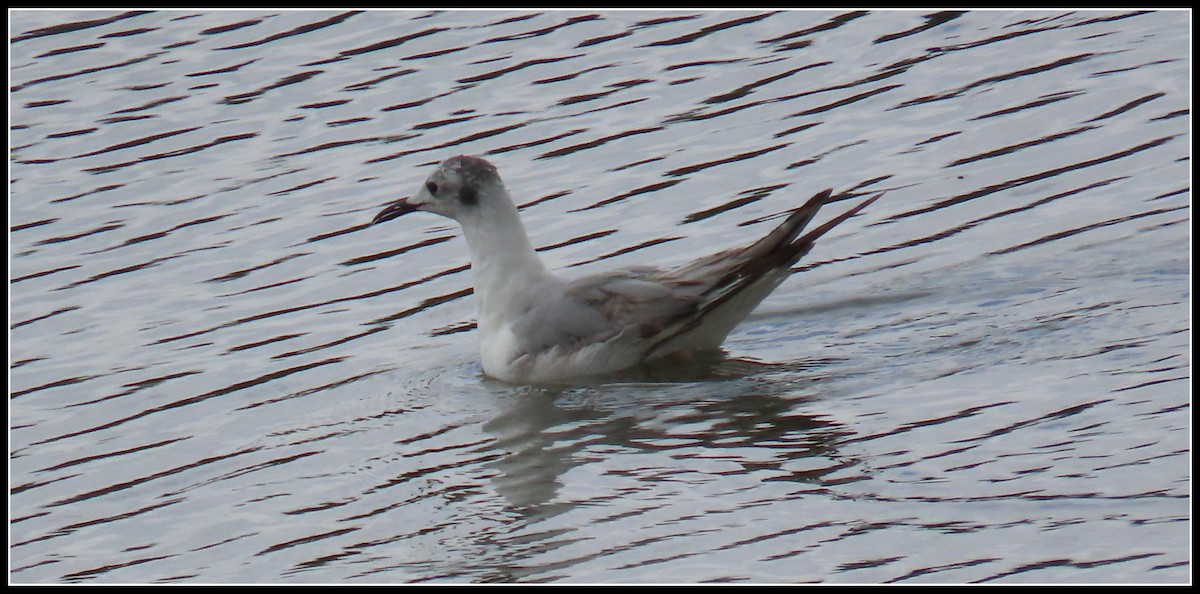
(536, 327)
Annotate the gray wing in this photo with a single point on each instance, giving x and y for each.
(641, 300)
(597, 308)
(694, 306)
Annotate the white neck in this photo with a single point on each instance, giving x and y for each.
(502, 259)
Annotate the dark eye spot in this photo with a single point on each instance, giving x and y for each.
(468, 195)
(432, 187)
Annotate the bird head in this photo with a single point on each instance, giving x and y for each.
(456, 190)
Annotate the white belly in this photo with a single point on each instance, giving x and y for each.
(504, 359)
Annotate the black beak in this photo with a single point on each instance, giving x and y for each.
(393, 210)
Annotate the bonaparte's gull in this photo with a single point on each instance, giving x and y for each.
(536, 327)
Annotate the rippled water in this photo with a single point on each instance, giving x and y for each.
(219, 373)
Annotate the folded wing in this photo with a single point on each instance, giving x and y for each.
(693, 307)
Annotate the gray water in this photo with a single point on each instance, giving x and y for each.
(219, 373)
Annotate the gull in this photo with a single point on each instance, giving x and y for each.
(536, 327)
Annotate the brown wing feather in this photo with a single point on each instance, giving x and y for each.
(780, 249)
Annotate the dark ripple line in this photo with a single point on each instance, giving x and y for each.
(119, 271)
(1174, 114)
(297, 31)
(112, 454)
(595, 143)
(1065, 563)
(87, 193)
(30, 485)
(88, 233)
(847, 101)
(302, 186)
(151, 104)
(1153, 383)
(266, 341)
(1012, 148)
(1020, 181)
(406, 477)
(292, 79)
(1128, 106)
(223, 70)
(129, 32)
(1013, 34)
(832, 23)
(698, 114)
(42, 273)
(626, 250)
(634, 192)
(1055, 98)
(134, 387)
(77, 26)
(232, 26)
(242, 385)
(444, 122)
(749, 197)
(53, 384)
(427, 303)
(71, 50)
(578, 239)
(512, 19)
(690, 169)
(70, 133)
(70, 528)
(367, 84)
(602, 39)
(748, 88)
(709, 30)
(172, 154)
(382, 45)
(937, 568)
(288, 310)
(396, 252)
(162, 234)
(246, 271)
(136, 142)
(332, 343)
(91, 573)
(465, 139)
(248, 470)
(1070, 411)
(654, 22)
(997, 78)
(940, 235)
(615, 88)
(318, 389)
(867, 563)
(24, 226)
(121, 486)
(523, 65)
(85, 71)
(545, 30)
(962, 414)
(1085, 228)
(931, 21)
(56, 312)
(572, 75)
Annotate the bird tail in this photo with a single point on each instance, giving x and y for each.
(749, 277)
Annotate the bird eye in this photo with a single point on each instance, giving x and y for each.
(432, 187)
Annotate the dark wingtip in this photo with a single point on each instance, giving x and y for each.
(812, 236)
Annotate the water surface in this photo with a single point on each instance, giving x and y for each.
(219, 373)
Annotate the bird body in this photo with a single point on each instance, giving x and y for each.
(537, 327)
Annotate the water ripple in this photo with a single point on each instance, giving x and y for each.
(204, 324)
